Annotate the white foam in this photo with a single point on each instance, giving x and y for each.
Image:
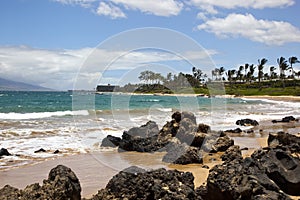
(38, 115)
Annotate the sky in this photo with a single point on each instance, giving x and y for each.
(67, 44)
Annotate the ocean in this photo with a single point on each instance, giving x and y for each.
(76, 122)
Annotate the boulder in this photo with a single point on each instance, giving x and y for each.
(237, 130)
(190, 116)
(286, 140)
(286, 119)
(40, 150)
(282, 168)
(239, 179)
(232, 153)
(9, 193)
(4, 152)
(247, 122)
(170, 128)
(182, 154)
(110, 141)
(203, 128)
(62, 184)
(136, 183)
(221, 144)
(147, 130)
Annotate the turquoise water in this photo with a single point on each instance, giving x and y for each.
(29, 102)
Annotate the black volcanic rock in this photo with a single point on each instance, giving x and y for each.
(136, 183)
(232, 153)
(239, 179)
(4, 152)
(182, 154)
(221, 144)
(62, 184)
(203, 128)
(110, 141)
(237, 130)
(247, 122)
(286, 119)
(284, 140)
(40, 150)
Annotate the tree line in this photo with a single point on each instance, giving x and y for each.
(247, 73)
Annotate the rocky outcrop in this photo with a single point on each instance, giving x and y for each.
(62, 184)
(4, 152)
(247, 122)
(281, 167)
(270, 173)
(183, 128)
(286, 119)
(111, 141)
(284, 140)
(136, 183)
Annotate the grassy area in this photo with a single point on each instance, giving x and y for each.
(271, 88)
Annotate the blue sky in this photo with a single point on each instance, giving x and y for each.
(55, 38)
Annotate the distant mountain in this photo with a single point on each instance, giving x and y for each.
(9, 85)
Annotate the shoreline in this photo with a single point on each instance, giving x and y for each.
(262, 97)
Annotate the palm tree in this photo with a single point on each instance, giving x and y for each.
(283, 66)
(272, 73)
(239, 73)
(260, 66)
(250, 74)
(221, 72)
(245, 74)
(293, 60)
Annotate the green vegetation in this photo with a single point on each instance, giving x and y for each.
(248, 79)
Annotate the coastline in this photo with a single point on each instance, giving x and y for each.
(262, 97)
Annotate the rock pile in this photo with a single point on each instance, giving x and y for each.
(182, 138)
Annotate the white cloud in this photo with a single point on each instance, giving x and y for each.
(156, 7)
(83, 3)
(59, 69)
(110, 10)
(232, 4)
(264, 31)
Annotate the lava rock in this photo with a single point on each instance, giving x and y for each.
(284, 140)
(222, 144)
(286, 119)
(147, 130)
(4, 152)
(239, 179)
(56, 151)
(110, 141)
(8, 193)
(176, 116)
(203, 128)
(136, 183)
(237, 130)
(232, 153)
(282, 168)
(247, 122)
(62, 184)
(40, 150)
(182, 154)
